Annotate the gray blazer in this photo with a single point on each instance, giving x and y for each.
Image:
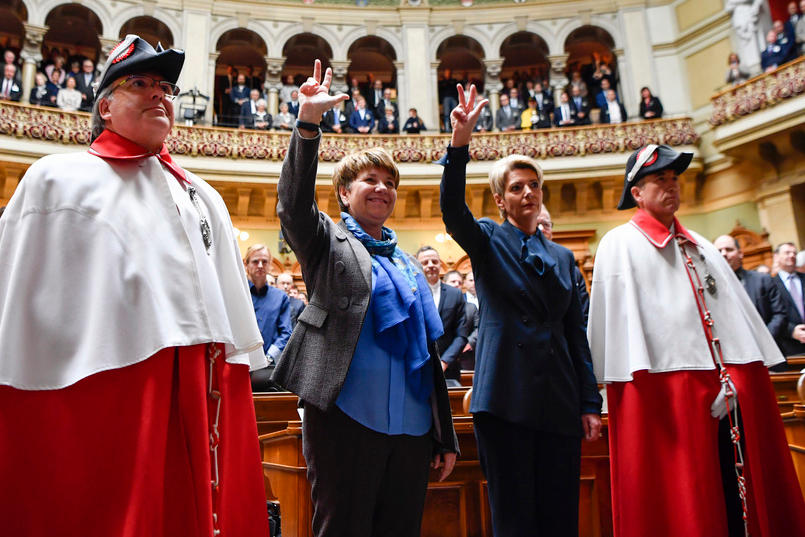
(337, 270)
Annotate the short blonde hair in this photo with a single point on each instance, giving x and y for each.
(499, 174)
(254, 248)
(354, 163)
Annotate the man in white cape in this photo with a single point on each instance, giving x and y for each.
(127, 333)
(683, 353)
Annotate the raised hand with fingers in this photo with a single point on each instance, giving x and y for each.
(314, 95)
(464, 116)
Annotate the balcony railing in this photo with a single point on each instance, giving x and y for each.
(760, 92)
(40, 123)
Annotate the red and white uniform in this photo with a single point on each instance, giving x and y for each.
(649, 345)
(110, 306)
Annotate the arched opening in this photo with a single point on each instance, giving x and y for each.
(71, 38)
(300, 52)
(240, 67)
(525, 64)
(460, 60)
(372, 64)
(591, 60)
(12, 32)
(152, 30)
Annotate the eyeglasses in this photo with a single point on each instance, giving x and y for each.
(545, 225)
(143, 83)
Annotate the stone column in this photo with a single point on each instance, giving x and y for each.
(558, 78)
(492, 83)
(210, 89)
(402, 95)
(435, 120)
(340, 68)
(273, 83)
(31, 55)
(417, 86)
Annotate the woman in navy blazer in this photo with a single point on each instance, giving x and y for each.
(534, 393)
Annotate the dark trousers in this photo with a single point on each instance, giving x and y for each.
(533, 478)
(364, 483)
(729, 480)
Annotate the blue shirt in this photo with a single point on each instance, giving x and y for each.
(376, 393)
(272, 309)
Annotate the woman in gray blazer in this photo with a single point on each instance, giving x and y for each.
(362, 356)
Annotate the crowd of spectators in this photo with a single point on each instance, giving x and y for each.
(56, 86)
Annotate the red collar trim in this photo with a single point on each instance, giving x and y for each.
(655, 231)
(110, 145)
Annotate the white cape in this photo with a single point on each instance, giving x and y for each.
(643, 313)
(99, 270)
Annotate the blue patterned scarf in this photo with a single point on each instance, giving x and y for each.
(404, 320)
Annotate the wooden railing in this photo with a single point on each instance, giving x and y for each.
(758, 93)
(42, 123)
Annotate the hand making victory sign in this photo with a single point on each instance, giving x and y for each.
(315, 98)
(464, 116)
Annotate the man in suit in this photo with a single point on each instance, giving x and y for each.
(334, 120)
(791, 285)
(613, 110)
(774, 53)
(545, 102)
(361, 121)
(84, 81)
(453, 278)
(761, 289)
(248, 109)
(375, 95)
(386, 102)
(10, 89)
(507, 118)
(293, 104)
(450, 303)
(285, 284)
(564, 115)
(580, 105)
(240, 92)
(601, 97)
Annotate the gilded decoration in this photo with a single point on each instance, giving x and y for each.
(761, 92)
(34, 122)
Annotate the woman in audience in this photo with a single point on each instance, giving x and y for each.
(650, 106)
(57, 65)
(735, 73)
(54, 86)
(69, 98)
(388, 123)
(39, 93)
(534, 394)
(284, 120)
(261, 120)
(413, 125)
(362, 357)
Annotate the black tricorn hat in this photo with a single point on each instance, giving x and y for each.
(650, 159)
(135, 55)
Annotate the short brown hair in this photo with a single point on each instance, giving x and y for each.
(354, 163)
(499, 174)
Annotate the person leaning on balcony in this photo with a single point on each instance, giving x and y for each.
(534, 393)
(132, 340)
(10, 89)
(363, 356)
(650, 106)
(613, 110)
(361, 121)
(773, 55)
(69, 98)
(735, 73)
(39, 93)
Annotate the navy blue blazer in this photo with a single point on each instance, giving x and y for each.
(355, 120)
(454, 320)
(767, 299)
(532, 361)
(788, 345)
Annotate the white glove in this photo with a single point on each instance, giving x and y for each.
(719, 408)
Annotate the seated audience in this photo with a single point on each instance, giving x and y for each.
(413, 125)
(334, 120)
(261, 119)
(387, 123)
(735, 73)
(69, 98)
(580, 106)
(361, 121)
(39, 93)
(650, 106)
(284, 120)
(10, 89)
(612, 111)
(507, 117)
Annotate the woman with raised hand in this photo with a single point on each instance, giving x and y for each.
(362, 356)
(534, 394)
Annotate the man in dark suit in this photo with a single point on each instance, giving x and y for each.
(334, 120)
(285, 284)
(361, 121)
(293, 104)
(791, 285)
(613, 110)
(581, 106)
(453, 278)
(248, 109)
(774, 54)
(507, 118)
(386, 102)
(10, 89)
(375, 96)
(564, 115)
(84, 81)
(450, 303)
(761, 289)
